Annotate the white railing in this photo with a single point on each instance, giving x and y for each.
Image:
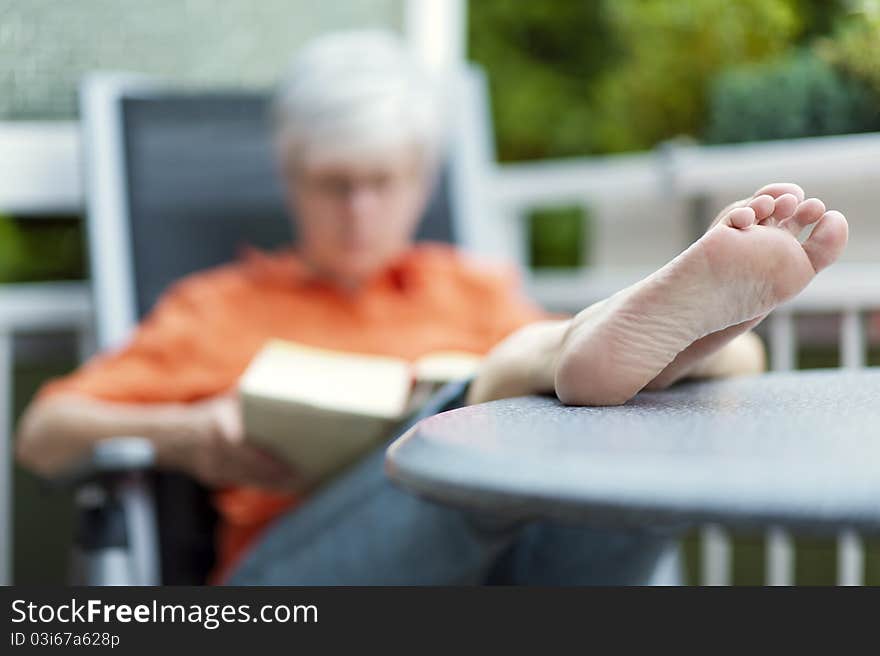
(31, 308)
(40, 167)
(39, 175)
(780, 549)
(624, 192)
(687, 171)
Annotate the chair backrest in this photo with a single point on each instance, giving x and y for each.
(178, 181)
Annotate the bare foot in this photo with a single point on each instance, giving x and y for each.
(748, 262)
(699, 356)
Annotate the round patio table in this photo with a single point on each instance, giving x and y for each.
(797, 450)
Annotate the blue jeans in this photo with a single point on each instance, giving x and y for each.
(362, 530)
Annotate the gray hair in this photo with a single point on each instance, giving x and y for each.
(357, 93)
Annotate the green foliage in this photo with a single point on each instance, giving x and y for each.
(795, 96)
(543, 59)
(559, 237)
(673, 50)
(854, 47)
(12, 249)
(602, 76)
(819, 17)
(40, 249)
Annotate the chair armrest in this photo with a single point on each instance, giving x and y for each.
(123, 454)
(116, 540)
(116, 455)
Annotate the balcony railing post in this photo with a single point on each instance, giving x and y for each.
(779, 548)
(715, 556)
(853, 345)
(779, 558)
(783, 341)
(852, 339)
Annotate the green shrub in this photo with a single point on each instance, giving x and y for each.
(45, 248)
(603, 76)
(600, 76)
(542, 59)
(559, 237)
(673, 50)
(794, 96)
(12, 249)
(854, 47)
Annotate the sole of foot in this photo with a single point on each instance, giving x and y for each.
(749, 261)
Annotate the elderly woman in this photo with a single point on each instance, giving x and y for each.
(359, 139)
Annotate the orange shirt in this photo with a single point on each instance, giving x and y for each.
(204, 331)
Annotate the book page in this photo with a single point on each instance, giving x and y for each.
(446, 366)
(332, 380)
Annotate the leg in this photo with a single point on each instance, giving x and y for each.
(556, 554)
(361, 530)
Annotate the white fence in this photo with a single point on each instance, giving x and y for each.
(31, 308)
(647, 207)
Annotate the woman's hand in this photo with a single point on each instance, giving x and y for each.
(210, 446)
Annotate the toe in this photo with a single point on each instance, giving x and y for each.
(827, 240)
(741, 217)
(763, 206)
(786, 204)
(777, 189)
(808, 212)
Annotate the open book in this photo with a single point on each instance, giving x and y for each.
(323, 409)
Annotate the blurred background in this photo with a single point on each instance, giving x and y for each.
(620, 126)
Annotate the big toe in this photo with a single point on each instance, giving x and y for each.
(827, 240)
